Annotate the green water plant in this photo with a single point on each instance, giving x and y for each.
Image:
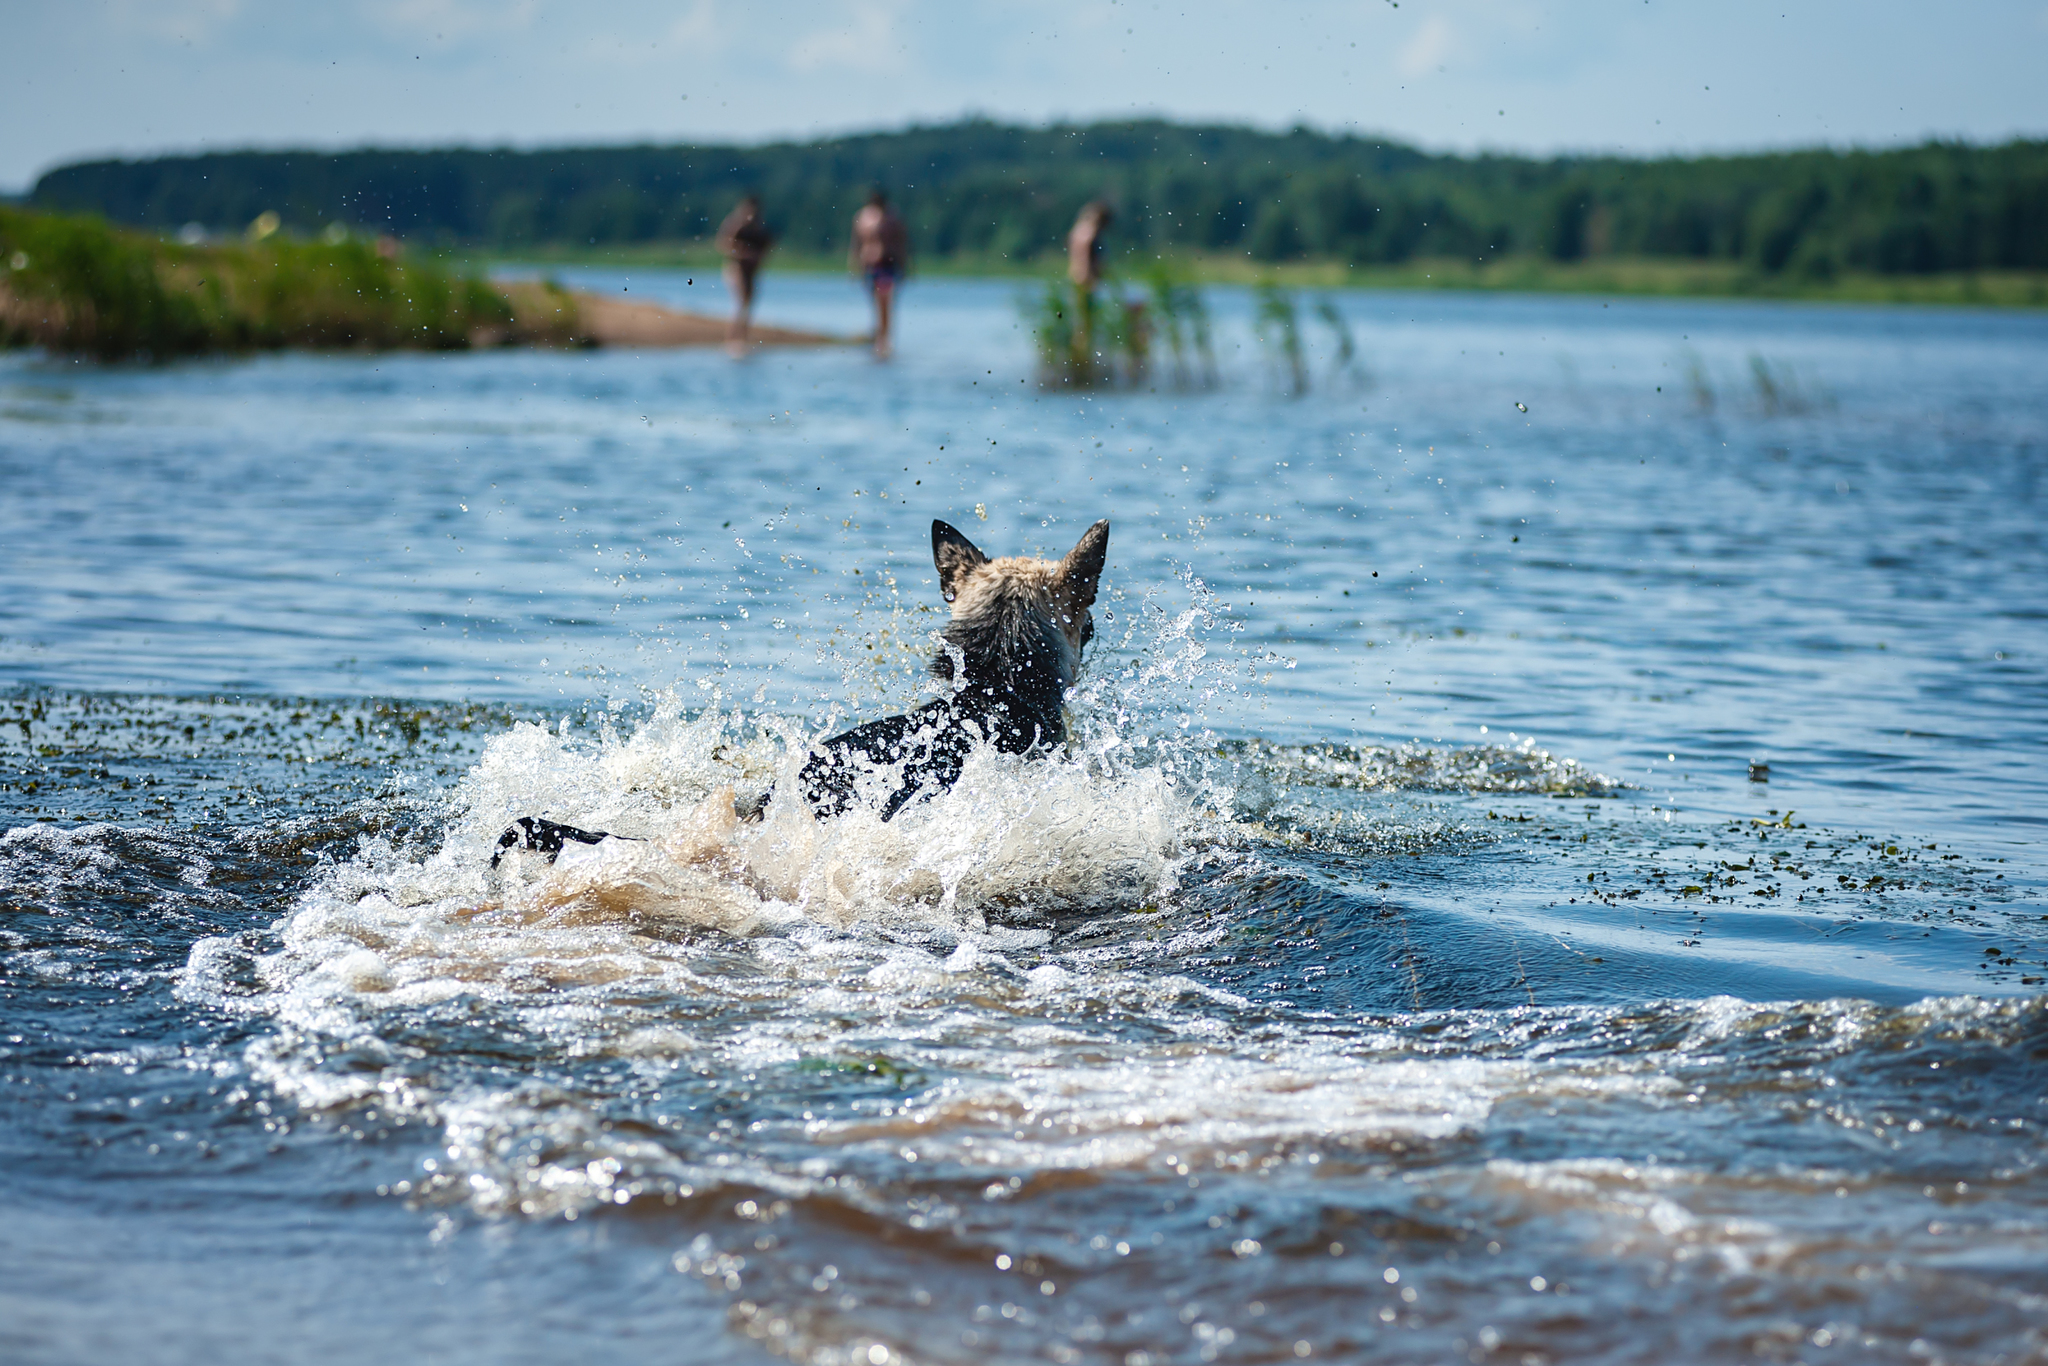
(1780, 392)
(1277, 321)
(1179, 320)
(1087, 338)
(1345, 363)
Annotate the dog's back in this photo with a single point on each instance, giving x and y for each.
(1011, 651)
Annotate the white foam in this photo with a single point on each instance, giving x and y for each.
(846, 914)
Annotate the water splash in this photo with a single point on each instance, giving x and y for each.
(1522, 768)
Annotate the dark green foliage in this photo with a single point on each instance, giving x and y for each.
(985, 189)
(1564, 235)
(79, 285)
(74, 284)
(981, 188)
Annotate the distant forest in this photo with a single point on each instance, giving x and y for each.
(982, 189)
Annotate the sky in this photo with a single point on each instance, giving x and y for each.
(89, 78)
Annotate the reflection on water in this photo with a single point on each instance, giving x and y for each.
(1392, 968)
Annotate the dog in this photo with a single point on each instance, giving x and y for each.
(1009, 654)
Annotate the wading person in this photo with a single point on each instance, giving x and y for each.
(880, 256)
(1084, 269)
(744, 240)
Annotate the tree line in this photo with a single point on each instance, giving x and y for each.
(989, 190)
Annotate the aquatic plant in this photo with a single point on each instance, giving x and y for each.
(1278, 325)
(1780, 392)
(1180, 319)
(1699, 382)
(1344, 362)
(1087, 338)
(74, 284)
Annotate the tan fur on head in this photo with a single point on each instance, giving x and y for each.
(982, 590)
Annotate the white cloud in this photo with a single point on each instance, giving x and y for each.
(1433, 44)
(450, 20)
(701, 26)
(703, 29)
(868, 42)
(185, 21)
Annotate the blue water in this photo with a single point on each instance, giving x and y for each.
(1555, 828)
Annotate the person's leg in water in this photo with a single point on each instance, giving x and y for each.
(1084, 332)
(882, 284)
(739, 279)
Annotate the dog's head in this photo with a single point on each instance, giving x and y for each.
(1062, 591)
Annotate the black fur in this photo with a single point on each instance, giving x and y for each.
(542, 836)
(1015, 668)
(1009, 667)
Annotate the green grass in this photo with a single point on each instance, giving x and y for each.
(76, 285)
(1657, 278)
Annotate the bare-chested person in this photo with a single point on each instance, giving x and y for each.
(881, 255)
(1084, 268)
(1084, 245)
(745, 240)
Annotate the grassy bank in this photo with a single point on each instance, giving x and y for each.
(1623, 276)
(76, 285)
(1523, 274)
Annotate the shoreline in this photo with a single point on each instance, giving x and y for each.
(545, 314)
(79, 286)
(1622, 277)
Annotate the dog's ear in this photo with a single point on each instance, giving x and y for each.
(955, 556)
(1082, 569)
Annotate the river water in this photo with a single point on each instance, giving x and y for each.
(1549, 869)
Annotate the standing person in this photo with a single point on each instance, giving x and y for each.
(881, 254)
(744, 239)
(1084, 268)
(1084, 244)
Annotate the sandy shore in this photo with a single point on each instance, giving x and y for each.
(547, 315)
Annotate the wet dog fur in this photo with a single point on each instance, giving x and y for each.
(1009, 653)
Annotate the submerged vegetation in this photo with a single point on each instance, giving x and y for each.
(1774, 389)
(1163, 337)
(1182, 319)
(1819, 222)
(1278, 324)
(75, 285)
(1089, 338)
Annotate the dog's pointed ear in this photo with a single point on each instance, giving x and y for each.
(955, 556)
(1082, 569)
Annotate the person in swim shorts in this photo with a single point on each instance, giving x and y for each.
(744, 239)
(1084, 269)
(880, 255)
